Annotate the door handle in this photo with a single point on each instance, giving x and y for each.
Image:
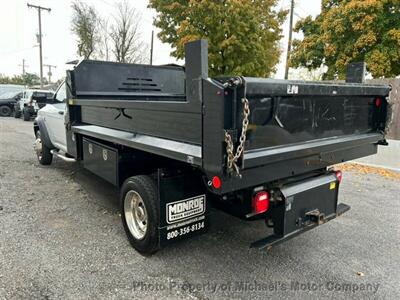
(60, 112)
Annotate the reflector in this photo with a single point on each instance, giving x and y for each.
(216, 182)
(339, 176)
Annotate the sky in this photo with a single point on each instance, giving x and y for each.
(19, 26)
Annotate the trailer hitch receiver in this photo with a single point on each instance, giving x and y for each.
(315, 216)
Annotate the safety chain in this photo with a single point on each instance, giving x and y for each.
(232, 157)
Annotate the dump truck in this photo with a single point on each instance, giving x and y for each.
(180, 145)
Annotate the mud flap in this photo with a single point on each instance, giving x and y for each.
(183, 206)
(304, 206)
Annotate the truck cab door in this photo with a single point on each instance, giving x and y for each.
(55, 119)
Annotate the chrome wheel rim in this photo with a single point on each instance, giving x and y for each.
(38, 148)
(135, 215)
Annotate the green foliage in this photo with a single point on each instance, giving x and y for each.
(27, 79)
(85, 23)
(243, 35)
(351, 31)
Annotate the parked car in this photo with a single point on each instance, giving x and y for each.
(7, 102)
(7, 88)
(31, 102)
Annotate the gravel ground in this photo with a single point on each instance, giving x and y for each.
(61, 237)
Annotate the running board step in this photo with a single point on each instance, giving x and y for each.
(63, 157)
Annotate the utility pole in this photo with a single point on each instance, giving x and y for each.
(151, 47)
(49, 73)
(40, 8)
(23, 66)
(289, 48)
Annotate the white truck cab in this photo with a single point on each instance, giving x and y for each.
(49, 127)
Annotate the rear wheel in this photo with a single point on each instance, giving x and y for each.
(140, 213)
(42, 151)
(26, 115)
(5, 111)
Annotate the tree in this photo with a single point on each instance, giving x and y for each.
(28, 79)
(85, 26)
(351, 31)
(125, 35)
(243, 35)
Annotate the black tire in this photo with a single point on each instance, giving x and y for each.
(44, 156)
(147, 189)
(5, 111)
(26, 115)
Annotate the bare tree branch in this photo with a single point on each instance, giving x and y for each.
(104, 42)
(125, 35)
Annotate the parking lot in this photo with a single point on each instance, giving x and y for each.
(61, 237)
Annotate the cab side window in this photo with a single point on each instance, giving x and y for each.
(61, 95)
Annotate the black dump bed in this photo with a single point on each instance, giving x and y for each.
(294, 127)
(315, 111)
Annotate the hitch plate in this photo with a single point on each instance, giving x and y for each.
(305, 205)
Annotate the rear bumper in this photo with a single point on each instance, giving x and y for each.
(325, 148)
(299, 206)
(274, 239)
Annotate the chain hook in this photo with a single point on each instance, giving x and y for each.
(233, 156)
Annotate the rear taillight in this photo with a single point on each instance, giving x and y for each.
(339, 176)
(260, 202)
(378, 102)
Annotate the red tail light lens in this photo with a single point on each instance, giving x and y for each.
(339, 176)
(216, 182)
(260, 202)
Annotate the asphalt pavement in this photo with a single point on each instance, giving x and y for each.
(61, 237)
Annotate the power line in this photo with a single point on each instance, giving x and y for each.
(12, 52)
(297, 15)
(39, 9)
